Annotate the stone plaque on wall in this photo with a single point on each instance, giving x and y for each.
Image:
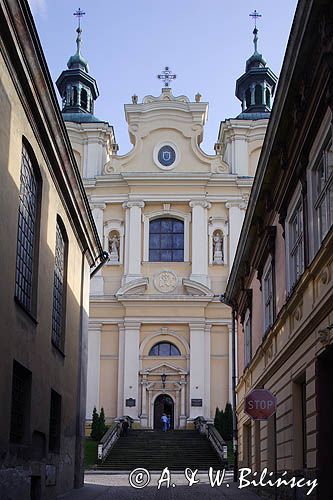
(196, 402)
(130, 402)
(50, 475)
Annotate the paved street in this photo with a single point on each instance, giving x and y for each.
(116, 486)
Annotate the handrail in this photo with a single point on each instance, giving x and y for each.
(111, 437)
(214, 437)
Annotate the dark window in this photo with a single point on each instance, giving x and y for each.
(84, 99)
(248, 98)
(26, 233)
(74, 100)
(20, 408)
(258, 95)
(55, 422)
(166, 240)
(164, 349)
(268, 98)
(59, 286)
(247, 338)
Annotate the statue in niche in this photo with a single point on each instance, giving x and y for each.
(217, 248)
(114, 248)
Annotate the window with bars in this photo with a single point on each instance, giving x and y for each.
(296, 244)
(247, 338)
(164, 349)
(59, 286)
(166, 240)
(323, 194)
(26, 233)
(20, 406)
(268, 295)
(55, 422)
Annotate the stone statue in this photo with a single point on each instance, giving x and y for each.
(198, 97)
(113, 249)
(217, 249)
(134, 99)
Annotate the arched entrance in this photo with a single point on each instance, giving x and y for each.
(163, 404)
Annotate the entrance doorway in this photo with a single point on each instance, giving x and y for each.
(163, 404)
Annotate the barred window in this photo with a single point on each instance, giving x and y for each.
(268, 295)
(26, 234)
(166, 240)
(55, 422)
(323, 194)
(59, 287)
(20, 407)
(247, 338)
(296, 244)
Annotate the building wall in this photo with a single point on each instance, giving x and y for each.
(29, 465)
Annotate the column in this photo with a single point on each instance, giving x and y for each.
(121, 362)
(236, 218)
(207, 410)
(131, 369)
(93, 368)
(197, 368)
(97, 283)
(182, 416)
(144, 415)
(133, 241)
(263, 86)
(230, 361)
(252, 87)
(200, 241)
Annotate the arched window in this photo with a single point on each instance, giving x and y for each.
(258, 95)
(248, 98)
(59, 286)
(268, 98)
(164, 349)
(84, 99)
(74, 96)
(27, 232)
(166, 240)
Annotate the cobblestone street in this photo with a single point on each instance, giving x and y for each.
(116, 486)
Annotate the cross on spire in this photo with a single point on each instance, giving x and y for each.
(255, 15)
(79, 13)
(166, 76)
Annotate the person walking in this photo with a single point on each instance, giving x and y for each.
(164, 420)
(168, 422)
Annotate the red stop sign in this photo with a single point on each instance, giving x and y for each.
(260, 404)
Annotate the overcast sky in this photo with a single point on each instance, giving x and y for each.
(127, 43)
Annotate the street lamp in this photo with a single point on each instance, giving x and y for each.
(163, 377)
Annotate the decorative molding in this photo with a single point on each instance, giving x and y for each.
(165, 281)
(136, 287)
(200, 203)
(134, 203)
(195, 288)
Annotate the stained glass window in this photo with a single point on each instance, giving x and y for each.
(166, 240)
(26, 233)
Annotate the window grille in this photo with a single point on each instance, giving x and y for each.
(55, 422)
(59, 289)
(26, 234)
(20, 406)
(164, 349)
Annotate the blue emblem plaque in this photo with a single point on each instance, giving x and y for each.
(166, 156)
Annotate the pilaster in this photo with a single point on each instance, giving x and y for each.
(133, 243)
(236, 218)
(97, 282)
(131, 369)
(200, 241)
(93, 368)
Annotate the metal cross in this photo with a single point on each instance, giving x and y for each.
(255, 15)
(79, 13)
(166, 76)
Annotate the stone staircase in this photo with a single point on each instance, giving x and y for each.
(155, 450)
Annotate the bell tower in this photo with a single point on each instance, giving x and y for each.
(77, 88)
(255, 88)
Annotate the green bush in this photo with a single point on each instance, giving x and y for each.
(98, 427)
(223, 422)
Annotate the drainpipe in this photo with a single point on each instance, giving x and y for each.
(103, 257)
(231, 304)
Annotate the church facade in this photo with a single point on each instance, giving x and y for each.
(170, 216)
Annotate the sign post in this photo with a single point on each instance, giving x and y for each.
(260, 404)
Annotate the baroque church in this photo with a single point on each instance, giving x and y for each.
(169, 215)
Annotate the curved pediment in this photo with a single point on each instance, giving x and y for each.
(136, 287)
(195, 288)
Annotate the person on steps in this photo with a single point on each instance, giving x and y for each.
(164, 420)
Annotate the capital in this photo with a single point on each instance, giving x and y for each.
(134, 203)
(200, 203)
(97, 206)
(241, 204)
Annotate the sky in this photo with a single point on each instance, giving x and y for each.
(128, 42)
